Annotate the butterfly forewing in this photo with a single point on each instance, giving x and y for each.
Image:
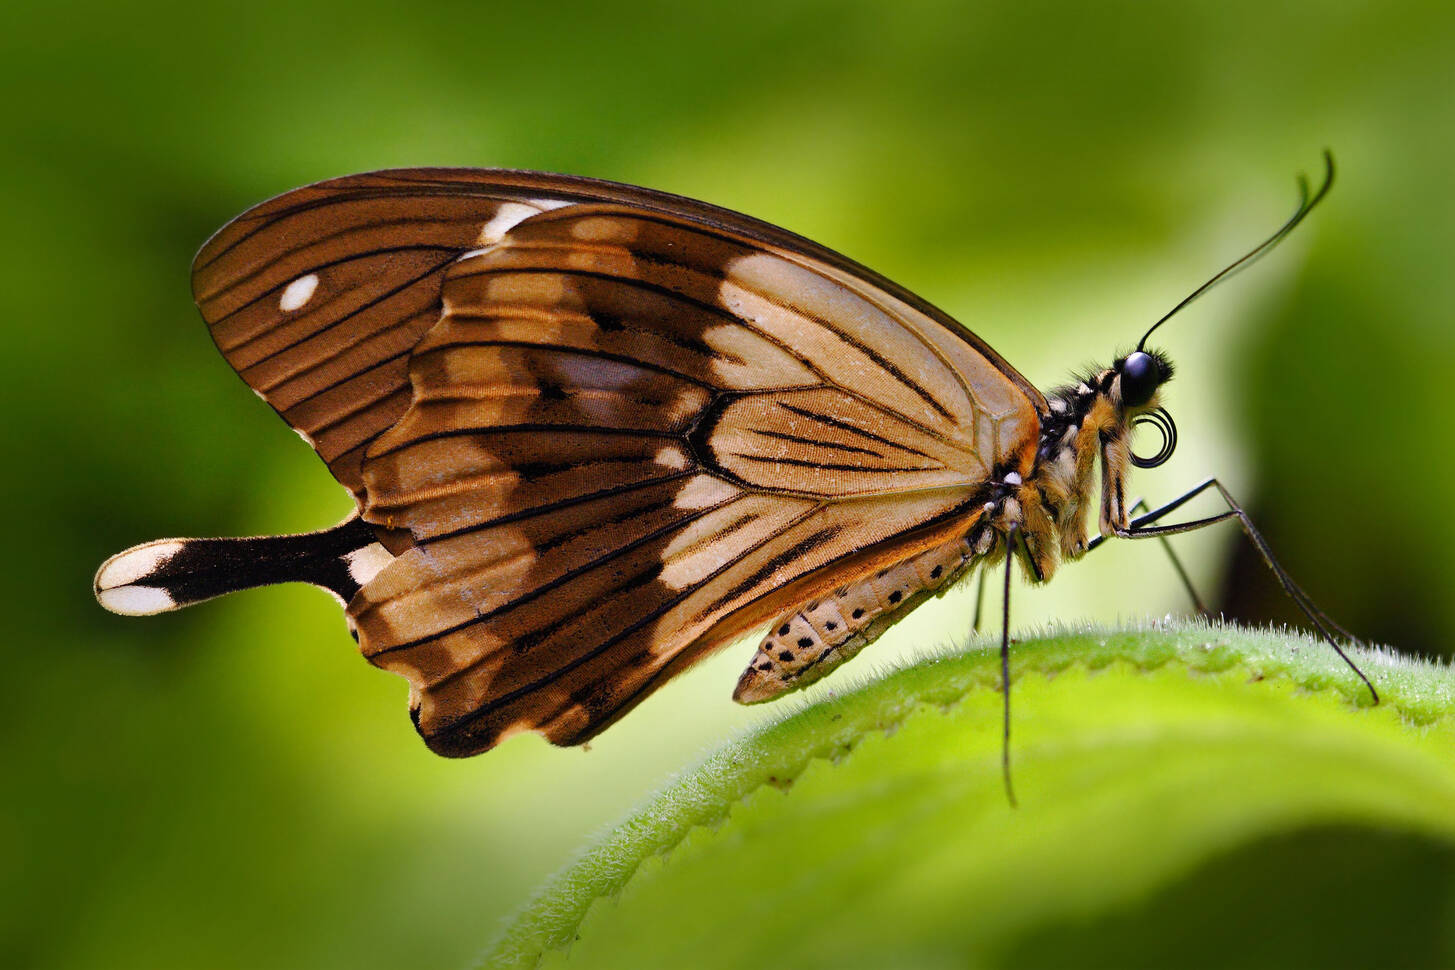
(317, 297)
(633, 436)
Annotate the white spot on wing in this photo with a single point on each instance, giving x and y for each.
(702, 491)
(127, 567)
(136, 600)
(506, 218)
(671, 457)
(364, 564)
(298, 292)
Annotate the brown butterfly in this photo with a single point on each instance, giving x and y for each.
(596, 432)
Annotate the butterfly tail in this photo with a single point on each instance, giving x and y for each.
(168, 574)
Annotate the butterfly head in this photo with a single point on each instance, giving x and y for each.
(1091, 422)
(1139, 375)
(1134, 387)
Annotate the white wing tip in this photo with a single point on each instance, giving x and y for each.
(118, 586)
(138, 562)
(136, 600)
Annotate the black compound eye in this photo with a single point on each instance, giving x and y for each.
(1140, 378)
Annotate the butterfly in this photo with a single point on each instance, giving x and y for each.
(595, 432)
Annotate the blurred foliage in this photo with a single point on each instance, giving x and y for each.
(872, 830)
(233, 787)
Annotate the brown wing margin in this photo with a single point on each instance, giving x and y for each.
(335, 366)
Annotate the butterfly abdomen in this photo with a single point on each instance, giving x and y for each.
(807, 644)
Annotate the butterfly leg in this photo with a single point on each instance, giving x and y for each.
(1177, 566)
(1295, 592)
(1142, 527)
(979, 601)
(1013, 537)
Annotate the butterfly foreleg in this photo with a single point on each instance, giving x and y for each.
(1143, 527)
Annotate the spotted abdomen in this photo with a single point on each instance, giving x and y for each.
(808, 643)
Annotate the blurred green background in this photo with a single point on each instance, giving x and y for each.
(233, 787)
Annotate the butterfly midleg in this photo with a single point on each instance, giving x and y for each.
(979, 601)
(1294, 591)
(1177, 565)
(1142, 528)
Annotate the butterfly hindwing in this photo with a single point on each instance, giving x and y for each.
(634, 435)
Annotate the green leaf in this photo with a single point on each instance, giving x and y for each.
(1198, 795)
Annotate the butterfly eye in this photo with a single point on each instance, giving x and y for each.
(1140, 377)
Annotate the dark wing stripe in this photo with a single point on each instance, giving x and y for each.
(790, 555)
(527, 513)
(516, 313)
(379, 251)
(879, 359)
(727, 318)
(520, 429)
(662, 291)
(363, 239)
(436, 348)
(888, 365)
(343, 320)
(833, 466)
(816, 442)
(833, 422)
(377, 350)
(651, 617)
(669, 670)
(353, 403)
(464, 483)
(359, 430)
(527, 596)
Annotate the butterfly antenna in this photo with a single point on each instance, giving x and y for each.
(1305, 206)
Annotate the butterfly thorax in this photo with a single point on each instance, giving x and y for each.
(1086, 418)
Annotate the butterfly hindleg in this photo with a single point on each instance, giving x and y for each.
(1142, 527)
(1177, 566)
